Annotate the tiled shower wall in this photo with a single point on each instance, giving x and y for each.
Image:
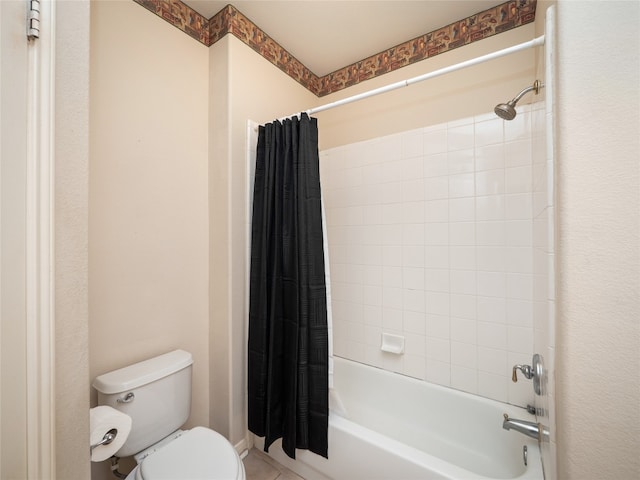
(431, 238)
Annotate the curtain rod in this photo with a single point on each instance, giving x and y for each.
(536, 42)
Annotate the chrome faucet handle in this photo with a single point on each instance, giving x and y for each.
(534, 371)
(526, 370)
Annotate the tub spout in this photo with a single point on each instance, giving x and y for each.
(530, 429)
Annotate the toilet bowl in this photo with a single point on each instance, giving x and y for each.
(156, 394)
(199, 453)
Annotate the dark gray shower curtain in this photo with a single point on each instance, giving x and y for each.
(288, 338)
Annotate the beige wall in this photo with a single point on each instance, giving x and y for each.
(71, 239)
(249, 88)
(148, 219)
(457, 95)
(598, 269)
(13, 175)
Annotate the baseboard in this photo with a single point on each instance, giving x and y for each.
(244, 445)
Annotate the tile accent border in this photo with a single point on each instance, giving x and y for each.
(498, 19)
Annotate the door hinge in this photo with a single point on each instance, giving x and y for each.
(33, 19)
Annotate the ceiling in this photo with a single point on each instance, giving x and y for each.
(326, 35)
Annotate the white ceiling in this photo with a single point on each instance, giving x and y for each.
(326, 35)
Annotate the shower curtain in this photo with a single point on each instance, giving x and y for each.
(288, 339)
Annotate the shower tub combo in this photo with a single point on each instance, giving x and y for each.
(384, 426)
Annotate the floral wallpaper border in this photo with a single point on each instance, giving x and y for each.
(498, 19)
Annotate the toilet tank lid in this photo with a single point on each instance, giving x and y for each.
(142, 373)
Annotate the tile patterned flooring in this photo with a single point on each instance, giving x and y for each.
(260, 466)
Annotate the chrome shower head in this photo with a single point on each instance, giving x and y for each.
(507, 111)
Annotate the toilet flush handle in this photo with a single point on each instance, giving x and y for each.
(129, 397)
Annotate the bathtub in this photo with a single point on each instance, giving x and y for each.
(384, 426)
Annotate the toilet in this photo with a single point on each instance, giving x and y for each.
(156, 394)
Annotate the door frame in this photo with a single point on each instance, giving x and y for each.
(40, 328)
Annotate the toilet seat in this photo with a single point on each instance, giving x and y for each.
(198, 454)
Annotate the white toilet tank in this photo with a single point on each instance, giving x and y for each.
(155, 393)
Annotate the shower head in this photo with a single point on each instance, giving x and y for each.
(507, 111)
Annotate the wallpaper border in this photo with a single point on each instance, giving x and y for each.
(493, 21)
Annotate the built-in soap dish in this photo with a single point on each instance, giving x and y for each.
(392, 343)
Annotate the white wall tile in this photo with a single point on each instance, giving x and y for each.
(461, 185)
(392, 362)
(436, 188)
(491, 207)
(372, 315)
(436, 279)
(392, 319)
(415, 366)
(490, 233)
(462, 257)
(492, 284)
(414, 322)
(431, 236)
(438, 372)
(392, 255)
(372, 335)
(372, 295)
(493, 360)
(519, 128)
(412, 168)
(492, 386)
(461, 161)
(518, 179)
(439, 349)
(435, 141)
(463, 306)
(463, 281)
(518, 206)
(490, 182)
(493, 335)
(465, 379)
(462, 233)
(520, 339)
(489, 132)
(391, 192)
(520, 313)
(462, 209)
(518, 153)
(392, 276)
(460, 138)
(437, 303)
(463, 330)
(412, 212)
(413, 300)
(391, 235)
(413, 234)
(436, 234)
(464, 354)
(412, 143)
(520, 286)
(490, 157)
(413, 278)
(392, 214)
(413, 191)
(436, 256)
(435, 165)
(436, 211)
(492, 309)
(438, 326)
(519, 233)
(413, 255)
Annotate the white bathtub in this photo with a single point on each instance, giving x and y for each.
(386, 426)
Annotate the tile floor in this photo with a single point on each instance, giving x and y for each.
(260, 466)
